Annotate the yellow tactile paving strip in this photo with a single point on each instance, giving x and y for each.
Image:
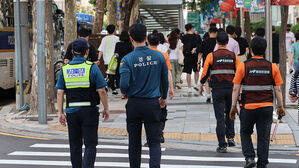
(281, 139)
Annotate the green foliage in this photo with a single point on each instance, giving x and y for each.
(94, 2)
(254, 26)
(194, 4)
(295, 28)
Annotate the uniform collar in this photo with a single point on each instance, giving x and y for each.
(220, 47)
(257, 57)
(77, 60)
(153, 48)
(141, 48)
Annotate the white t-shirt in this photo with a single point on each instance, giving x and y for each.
(289, 38)
(107, 47)
(174, 54)
(163, 47)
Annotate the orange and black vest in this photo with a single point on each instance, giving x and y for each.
(223, 69)
(257, 84)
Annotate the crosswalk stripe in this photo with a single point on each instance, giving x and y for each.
(99, 164)
(164, 157)
(41, 145)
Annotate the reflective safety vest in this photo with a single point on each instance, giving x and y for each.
(257, 84)
(223, 69)
(79, 91)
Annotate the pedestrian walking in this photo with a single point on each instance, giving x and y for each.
(122, 48)
(290, 39)
(243, 44)
(232, 44)
(220, 65)
(206, 48)
(144, 80)
(163, 45)
(83, 83)
(173, 40)
(92, 54)
(191, 43)
(294, 57)
(106, 50)
(275, 46)
(294, 90)
(257, 77)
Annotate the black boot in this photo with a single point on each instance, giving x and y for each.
(250, 162)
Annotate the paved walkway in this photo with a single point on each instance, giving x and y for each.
(190, 120)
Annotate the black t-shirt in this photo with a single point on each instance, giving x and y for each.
(191, 41)
(207, 47)
(92, 56)
(122, 49)
(275, 48)
(243, 45)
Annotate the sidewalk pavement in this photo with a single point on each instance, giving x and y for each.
(190, 120)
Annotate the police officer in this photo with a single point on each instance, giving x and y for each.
(83, 83)
(256, 77)
(221, 66)
(143, 73)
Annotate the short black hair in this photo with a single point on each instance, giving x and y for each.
(213, 25)
(213, 30)
(155, 31)
(153, 39)
(83, 32)
(222, 38)
(260, 32)
(110, 28)
(161, 38)
(289, 25)
(238, 31)
(273, 28)
(188, 26)
(297, 36)
(138, 32)
(258, 46)
(177, 30)
(230, 29)
(221, 30)
(124, 36)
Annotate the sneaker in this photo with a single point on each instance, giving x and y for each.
(178, 86)
(146, 144)
(196, 87)
(114, 92)
(162, 140)
(291, 71)
(189, 90)
(221, 149)
(209, 100)
(231, 142)
(250, 162)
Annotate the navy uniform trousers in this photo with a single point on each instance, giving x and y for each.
(145, 110)
(222, 100)
(262, 117)
(83, 124)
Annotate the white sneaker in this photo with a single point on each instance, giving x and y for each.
(189, 90)
(195, 87)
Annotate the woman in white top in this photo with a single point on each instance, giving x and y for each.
(163, 46)
(174, 46)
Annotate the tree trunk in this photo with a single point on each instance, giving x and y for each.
(135, 12)
(247, 27)
(238, 23)
(70, 23)
(223, 23)
(125, 14)
(99, 16)
(33, 96)
(282, 50)
(111, 13)
(49, 60)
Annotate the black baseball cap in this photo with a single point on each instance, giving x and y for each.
(80, 46)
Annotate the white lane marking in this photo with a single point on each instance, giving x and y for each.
(41, 145)
(99, 164)
(164, 157)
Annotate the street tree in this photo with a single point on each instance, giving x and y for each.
(135, 12)
(282, 48)
(99, 16)
(111, 12)
(49, 62)
(70, 22)
(125, 14)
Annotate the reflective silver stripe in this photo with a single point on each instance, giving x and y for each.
(77, 83)
(257, 87)
(78, 104)
(222, 71)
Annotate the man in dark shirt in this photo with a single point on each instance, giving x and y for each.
(206, 48)
(191, 43)
(242, 43)
(275, 46)
(92, 55)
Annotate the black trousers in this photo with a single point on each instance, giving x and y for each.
(140, 110)
(83, 124)
(262, 117)
(163, 117)
(222, 100)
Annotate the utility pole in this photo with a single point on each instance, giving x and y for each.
(241, 21)
(18, 56)
(41, 60)
(268, 17)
